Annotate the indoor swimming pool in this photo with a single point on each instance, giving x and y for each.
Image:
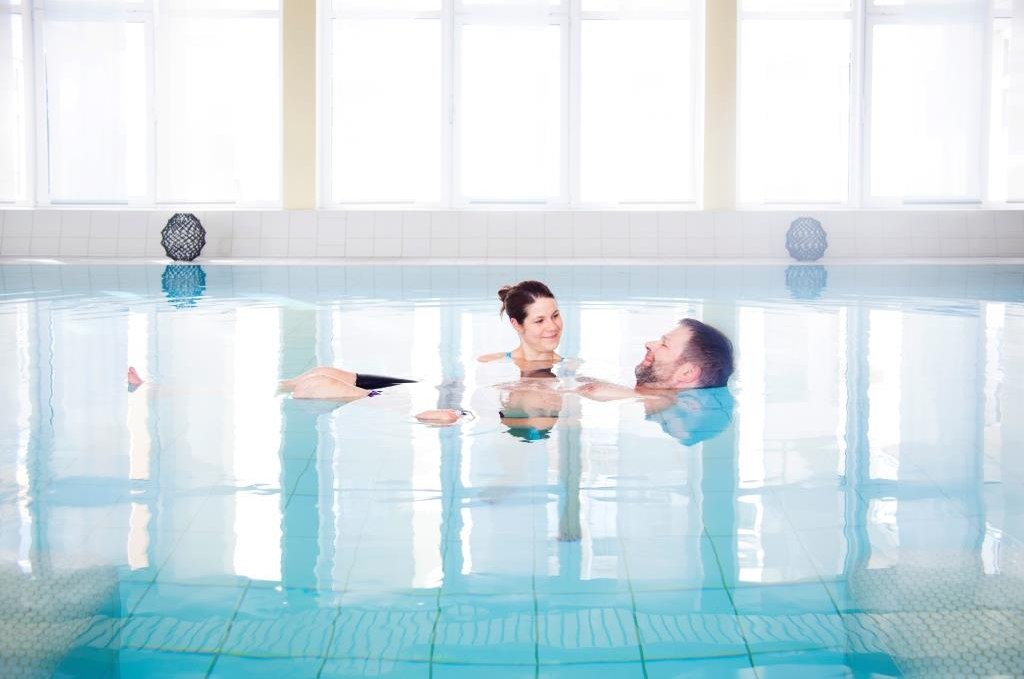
(853, 504)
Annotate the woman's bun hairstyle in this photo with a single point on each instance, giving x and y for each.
(515, 298)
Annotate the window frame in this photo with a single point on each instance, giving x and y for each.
(25, 196)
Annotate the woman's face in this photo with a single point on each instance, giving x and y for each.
(541, 330)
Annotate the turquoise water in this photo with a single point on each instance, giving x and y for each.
(853, 506)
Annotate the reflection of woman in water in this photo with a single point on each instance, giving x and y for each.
(534, 315)
(530, 407)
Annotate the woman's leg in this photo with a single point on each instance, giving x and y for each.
(345, 376)
(325, 387)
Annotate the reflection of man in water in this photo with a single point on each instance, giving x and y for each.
(682, 380)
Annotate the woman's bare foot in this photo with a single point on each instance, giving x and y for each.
(322, 386)
(134, 381)
(344, 376)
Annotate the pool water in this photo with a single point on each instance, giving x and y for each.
(853, 504)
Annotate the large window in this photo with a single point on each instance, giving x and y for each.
(876, 102)
(550, 102)
(13, 103)
(142, 102)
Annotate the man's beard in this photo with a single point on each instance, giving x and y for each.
(645, 375)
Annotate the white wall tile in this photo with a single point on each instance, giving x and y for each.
(274, 224)
(331, 230)
(955, 247)
(359, 247)
(131, 247)
(672, 246)
(18, 223)
(100, 247)
(700, 225)
(981, 225)
(245, 247)
(558, 224)
(387, 247)
(302, 224)
(700, 247)
(273, 247)
(529, 225)
(359, 224)
(728, 247)
(728, 226)
(643, 225)
(472, 247)
(532, 248)
(302, 247)
(416, 225)
(501, 225)
(586, 225)
(672, 225)
(103, 224)
(1009, 224)
(74, 246)
(644, 247)
(134, 224)
(983, 247)
(615, 225)
(587, 248)
(615, 248)
(924, 225)
(387, 225)
(330, 250)
(416, 247)
(443, 247)
(444, 225)
(953, 225)
(16, 246)
(1011, 247)
(246, 224)
(46, 224)
(75, 223)
(558, 248)
(501, 247)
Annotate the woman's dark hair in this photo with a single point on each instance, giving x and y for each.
(711, 350)
(515, 298)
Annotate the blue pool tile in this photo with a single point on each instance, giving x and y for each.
(809, 597)
(734, 554)
(386, 626)
(162, 665)
(496, 629)
(281, 623)
(736, 667)
(181, 618)
(691, 624)
(385, 669)
(490, 671)
(584, 670)
(815, 664)
(783, 632)
(672, 564)
(586, 628)
(230, 667)
(78, 662)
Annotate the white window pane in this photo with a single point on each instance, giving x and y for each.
(386, 124)
(794, 111)
(382, 5)
(637, 111)
(12, 109)
(96, 110)
(219, 104)
(540, 4)
(635, 5)
(1000, 124)
(244, 5)
(926, 92)
(510, 112)
(792, 5)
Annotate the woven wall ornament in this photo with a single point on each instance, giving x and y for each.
(806, 281)
(183, 238)
(806, 240)
(183, 284)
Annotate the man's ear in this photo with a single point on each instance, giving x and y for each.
(686, 376)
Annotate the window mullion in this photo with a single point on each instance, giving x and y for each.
(448, 65)
(573, 113)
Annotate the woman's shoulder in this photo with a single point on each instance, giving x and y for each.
(487, 358)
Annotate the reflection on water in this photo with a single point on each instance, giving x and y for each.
(852, 503)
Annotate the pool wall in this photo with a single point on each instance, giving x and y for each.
(475, 235)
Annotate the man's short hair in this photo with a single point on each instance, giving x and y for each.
(711, 350)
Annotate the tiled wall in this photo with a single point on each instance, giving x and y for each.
(514, 235)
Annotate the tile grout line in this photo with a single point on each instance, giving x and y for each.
(732, 602)
(636, 617)
(227, 630)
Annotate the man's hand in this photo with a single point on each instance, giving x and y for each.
(605, 391)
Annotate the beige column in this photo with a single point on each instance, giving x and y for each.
(720, 105)
(298, 47)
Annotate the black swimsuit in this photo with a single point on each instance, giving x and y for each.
(378, 381)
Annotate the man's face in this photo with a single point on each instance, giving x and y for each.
(661, 362)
